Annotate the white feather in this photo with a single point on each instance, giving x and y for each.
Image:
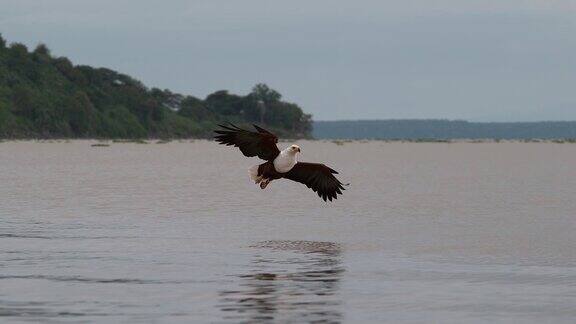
(254, 173)
(286, 160)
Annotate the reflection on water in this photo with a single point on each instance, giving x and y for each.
(293, 281)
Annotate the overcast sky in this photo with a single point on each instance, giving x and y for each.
(480, 60)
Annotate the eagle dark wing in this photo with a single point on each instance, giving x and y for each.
(317, 177)
(261, 143)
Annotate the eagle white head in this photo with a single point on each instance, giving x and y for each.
(293, 149)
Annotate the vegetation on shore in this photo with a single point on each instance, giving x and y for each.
(42, 96)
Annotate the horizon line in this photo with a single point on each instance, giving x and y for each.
(443, 119)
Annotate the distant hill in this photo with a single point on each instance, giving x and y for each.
(441, 129)
(42, 96)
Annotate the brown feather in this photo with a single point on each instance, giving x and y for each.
(317, 177)
(261, 143)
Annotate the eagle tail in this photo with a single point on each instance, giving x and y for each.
(254, 174)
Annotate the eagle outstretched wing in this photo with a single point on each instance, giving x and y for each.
(317, 177)
(261, 143)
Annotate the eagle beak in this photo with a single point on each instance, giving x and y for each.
(299, 150)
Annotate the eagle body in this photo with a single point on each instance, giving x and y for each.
(279, 164)
(264, 173)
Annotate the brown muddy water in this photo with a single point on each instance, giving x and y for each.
(176, 233)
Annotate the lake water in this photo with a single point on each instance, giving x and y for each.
(176, 233)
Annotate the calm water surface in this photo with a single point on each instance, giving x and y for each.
(177, 233)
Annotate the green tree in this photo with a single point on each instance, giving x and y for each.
(224, 103)
(42, 49)
(192, 107)
(263, 93)
(42, 96)
(64, 66)
(23, 103)
(41, 53)
(18, 55)
(81, 115)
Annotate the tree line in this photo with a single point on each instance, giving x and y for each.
(42, 96)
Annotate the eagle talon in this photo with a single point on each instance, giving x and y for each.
(264, 183)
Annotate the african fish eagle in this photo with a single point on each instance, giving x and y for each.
(279, 164)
